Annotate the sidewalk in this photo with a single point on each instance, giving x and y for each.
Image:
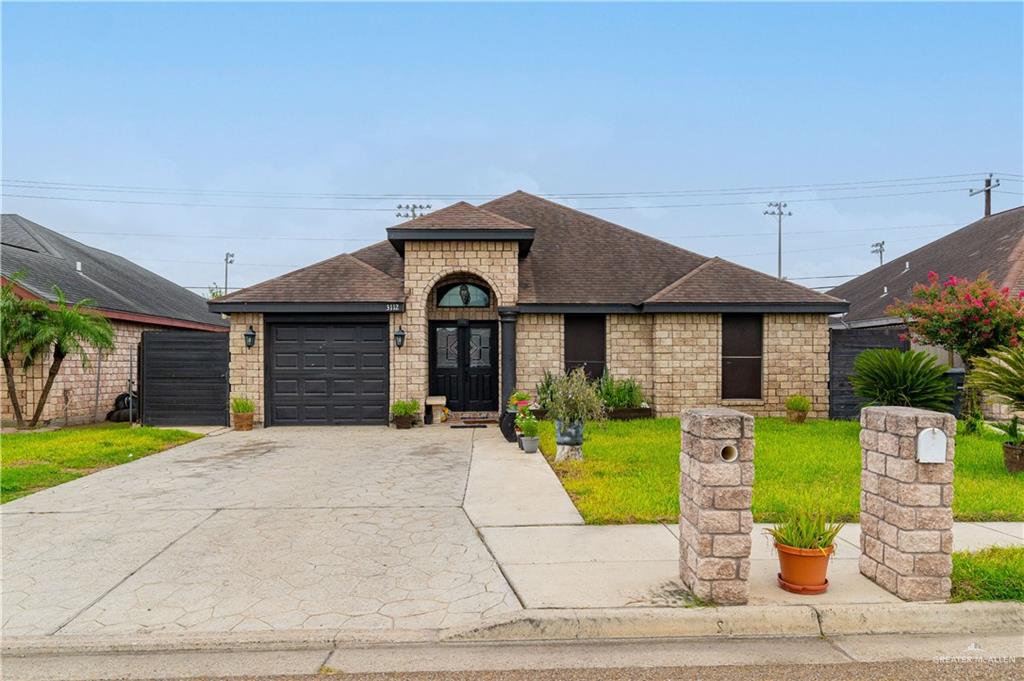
(552, 560)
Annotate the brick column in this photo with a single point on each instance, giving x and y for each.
(715, 486)
(906, 514)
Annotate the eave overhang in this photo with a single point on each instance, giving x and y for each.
(299, 307)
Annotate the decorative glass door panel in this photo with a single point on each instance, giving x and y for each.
(464, 364)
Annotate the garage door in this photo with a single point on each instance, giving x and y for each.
(328, 374)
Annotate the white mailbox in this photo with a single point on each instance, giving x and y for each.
(931, 446)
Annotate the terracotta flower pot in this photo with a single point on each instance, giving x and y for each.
(803, 571)
(403, 422)
(1013, 457)
(243, 421)
(796, 416)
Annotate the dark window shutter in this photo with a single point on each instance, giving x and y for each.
(742, 355)
(585, 343)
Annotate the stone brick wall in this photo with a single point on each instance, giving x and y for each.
(73, 395)
(426, 264)
(629, 340)
(687, 364)
(246, 365)
(539, 347)
(716, 464)
(906, 515)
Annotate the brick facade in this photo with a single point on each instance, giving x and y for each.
(629, 349)
(539, 348)
(73, 397)
(245, 369)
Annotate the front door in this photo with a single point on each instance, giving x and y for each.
(464, 364)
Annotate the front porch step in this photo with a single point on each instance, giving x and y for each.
(472, 417)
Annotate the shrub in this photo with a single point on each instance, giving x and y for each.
(1001, 374)
(892, 378)
(798, 403)
(527, 424)
(804, 529)
(620, 394)
(545, 389)
(574, 398)
(405, 408)
(242, 405)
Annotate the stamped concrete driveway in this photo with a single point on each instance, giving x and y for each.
(283, 528)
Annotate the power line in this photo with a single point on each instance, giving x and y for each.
(822, 186)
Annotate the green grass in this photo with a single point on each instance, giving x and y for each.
(630, 472)
(35, 461)
(992, 574)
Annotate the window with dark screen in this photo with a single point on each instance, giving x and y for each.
(741, 356)
(584, 343)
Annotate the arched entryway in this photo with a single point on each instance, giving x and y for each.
(462, 314)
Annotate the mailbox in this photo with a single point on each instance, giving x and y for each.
(931, 446)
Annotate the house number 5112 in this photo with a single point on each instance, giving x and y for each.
(392, 307)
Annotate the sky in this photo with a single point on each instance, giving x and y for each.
(243, 123)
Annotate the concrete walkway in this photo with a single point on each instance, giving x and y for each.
(520, 509)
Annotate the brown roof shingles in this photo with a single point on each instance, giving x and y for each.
(994, 245)
(341, 279)
(721, 281)
(461, 215)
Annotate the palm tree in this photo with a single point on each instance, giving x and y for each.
(18, 319)
(1001, 374)
(66, 330)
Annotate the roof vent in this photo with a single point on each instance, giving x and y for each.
(78, 265)
(906, 266)
(885, 291)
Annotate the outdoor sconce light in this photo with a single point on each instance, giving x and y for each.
(250, 337)
(399, 337)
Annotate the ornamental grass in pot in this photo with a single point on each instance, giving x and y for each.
(574, 401)
(797, 407)
(404, 412)
(242, 409)
(805, 541)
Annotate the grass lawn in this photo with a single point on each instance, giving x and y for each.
(630, 472)
(35, 461)
(993, 574)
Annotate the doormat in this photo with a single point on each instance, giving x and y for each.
(468, 425)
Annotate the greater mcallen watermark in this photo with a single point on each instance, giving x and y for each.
(976, 655)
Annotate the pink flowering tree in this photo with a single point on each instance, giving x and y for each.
(968, 317)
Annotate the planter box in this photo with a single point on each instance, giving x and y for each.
(614, 414)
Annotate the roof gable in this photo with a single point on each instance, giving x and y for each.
(461, 216)
(994, 245)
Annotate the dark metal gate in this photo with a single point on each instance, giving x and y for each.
(845, 345)
(183, 378)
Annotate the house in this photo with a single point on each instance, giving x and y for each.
(471, 302)
(992, 245)
(132, 298)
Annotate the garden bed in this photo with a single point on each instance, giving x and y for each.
(630, 472)
(612, 414)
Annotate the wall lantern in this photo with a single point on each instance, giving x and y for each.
(399, 337)
(250, 337)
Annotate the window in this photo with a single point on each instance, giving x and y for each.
(741, 356)
(584, 343)
(463, 295)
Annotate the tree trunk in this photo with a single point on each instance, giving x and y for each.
(12, 392)
(58, 359)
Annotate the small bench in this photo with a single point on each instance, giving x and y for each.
(436, 403)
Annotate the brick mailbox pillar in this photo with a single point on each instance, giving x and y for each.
(906, 514)
(715, 484)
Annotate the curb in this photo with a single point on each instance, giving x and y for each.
(745, 621)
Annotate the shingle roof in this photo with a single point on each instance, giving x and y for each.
(461, 216)
(994, 245)
(46, 257)
(341, 279)
(721, 281)
(576, 259)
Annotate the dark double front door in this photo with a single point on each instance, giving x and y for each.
(464, 364)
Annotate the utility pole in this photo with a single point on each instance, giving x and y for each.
(778, 209)
(411, 210)
(987, 191)
(229, 259)
(878, 248)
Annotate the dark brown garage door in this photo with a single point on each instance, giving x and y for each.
(328, 374)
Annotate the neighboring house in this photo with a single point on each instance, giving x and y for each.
(992, 245)
(501, 293)
(131, 297)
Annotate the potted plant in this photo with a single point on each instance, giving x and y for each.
(804, 541)
(623, 398)
(544, 390)
(797, 407)
(530, 429)
(403, 413)
(242, 409)
(1013, 447)
(517, 401)
(574, 401)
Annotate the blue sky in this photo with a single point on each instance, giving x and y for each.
(468, 100)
